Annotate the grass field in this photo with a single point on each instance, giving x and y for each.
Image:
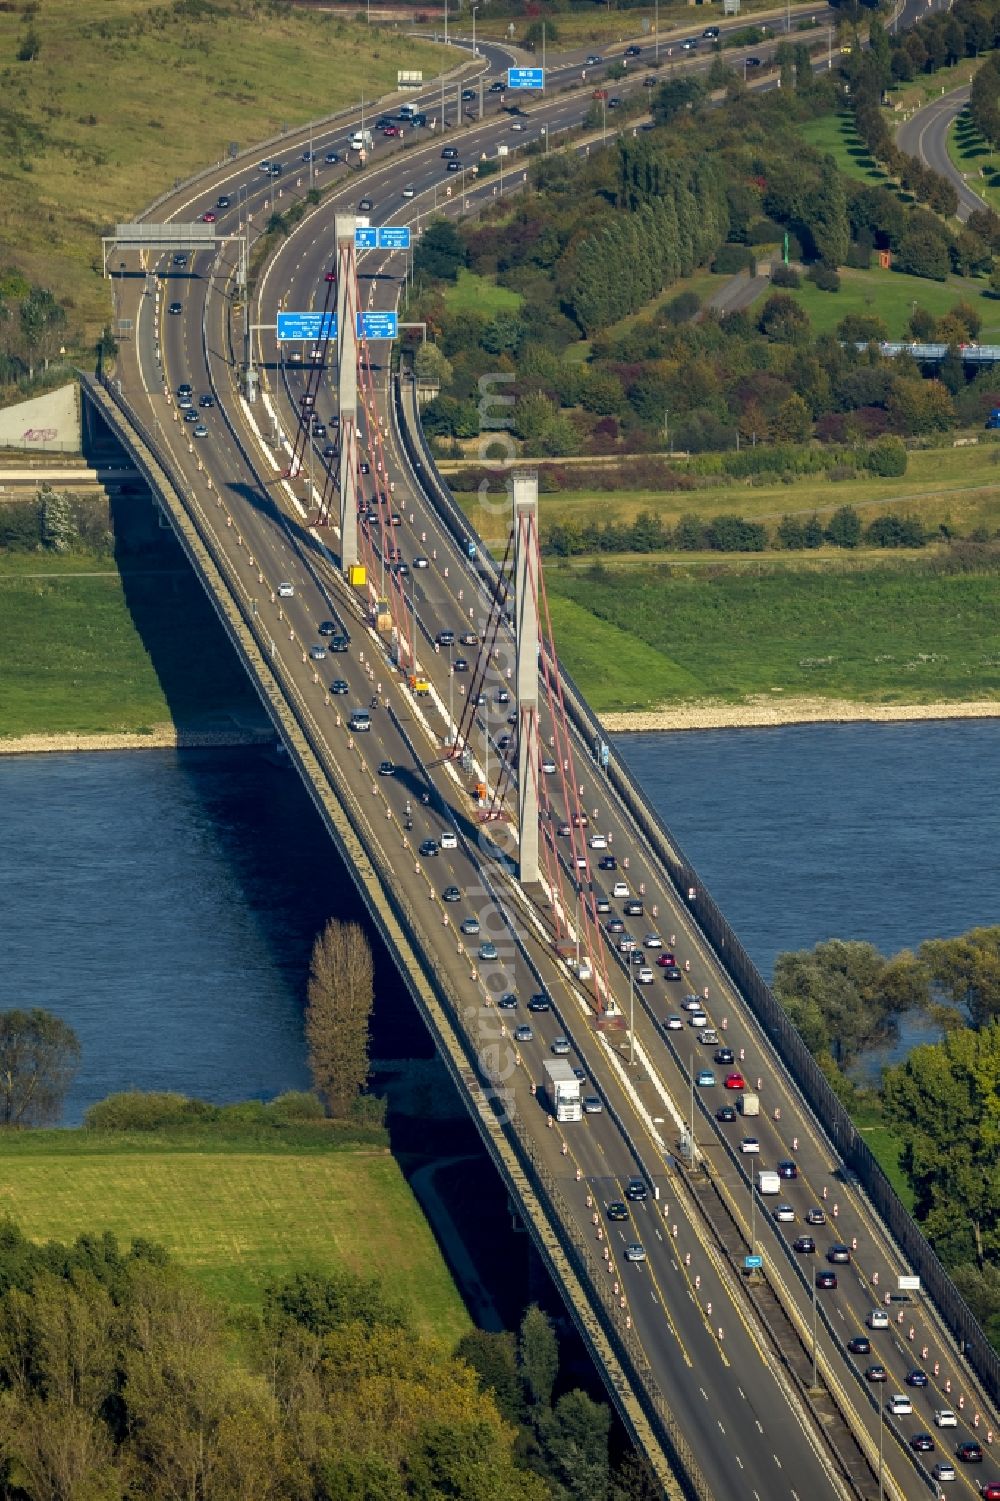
(576, 29)
(890, 295)
(637, 638)
(126, 96)
(480, 294)
(838, 136)
(237, 1210)
(72, 657)
(972, 155)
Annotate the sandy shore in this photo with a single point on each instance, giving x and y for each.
(766, 711)
(160, 737)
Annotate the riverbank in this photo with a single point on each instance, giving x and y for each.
(157, 737)
(763, 712)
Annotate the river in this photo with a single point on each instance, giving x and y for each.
(165, 902)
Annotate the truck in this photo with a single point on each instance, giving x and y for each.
(750, 1103)
(993, 420)
(768, 1181)
(563, 1090)
(361, 140)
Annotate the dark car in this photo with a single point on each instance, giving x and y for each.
(650, 82)
(617, 1211)
(826, 1280)
(751, 62)
(970, 1453)
(180, 259)
(607, 862)
(860, 1344)
(726, 1114)
(633, 51)
(508, 1001)
(916, 1378)
(805, 1245)
(206, 401)
(633, 909)
(815, 1217)
(332, 158)
(175, 308)
(386, 769)
(875, 1373)
(839, 1254)
(185, 388)
(429, 847)
(223, 200)
(338, 687)
(787, 1168)
(191, 416)
(496, 87)
(922, 1443)
(460, 664)
(539, 1002)
(614, 102)
(671, 972)
(383, 121)
(449, 153)
(339, 643)
(454, 166)
(451, 894)
(636, 1190)
(723, 1055)
(365, 206)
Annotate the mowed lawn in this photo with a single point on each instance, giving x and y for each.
(480, 294)
(237, 1216)
(837, 135)
(890, 295)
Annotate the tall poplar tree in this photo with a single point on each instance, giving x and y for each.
(341, 995)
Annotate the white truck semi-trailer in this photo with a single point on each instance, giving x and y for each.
(563, 1090)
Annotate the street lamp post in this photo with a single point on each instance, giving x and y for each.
(753, 1217)
(656, 33)
(815, 1381)
(691, 1113)
(631, 1012)
(881, 1446)
(451, 699)
(604, 118)
(446, 22)
(474, 9)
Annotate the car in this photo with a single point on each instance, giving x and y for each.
(787, 1168)
(340, 642)
(784, 1214)
(723, 1055)
(711, 33)
(614, 102)
(201, 431)
(692, 1003)
(451, 894)
(191, 415)
(602, 904)
(607, 862)
(360, 722)
(752, 62)
(644, 975)
(563, 831)
(420, 562)
(391, 130)
(858, 1344)
(626, 945)
(592, 1105)
(409, 190)
(633, 908)
(208, 217)
(365, 206)
(826, 1280)
(838, 1254)
(460, 664)
(332, 158)
(619, 889)
(317, 653)
(264, 166)
(815, 1216)
(286, 590)
(560, 1046)
(709, 1036)
(970, 1452)
(523, 1033)
(597, 842)
(806, 1246)
(705, 1079)
(449, 153)
(488, 952)
(636, 1252)
(174, 309)
(665, 959)
(539, 1002)
(673, 1024)
(185, 389)
(916, 1377)
(180, 259)
(549, 768)
(650, 81)
(330, 451)
(652, 941)
(899, 1405)
(875, 1373)
(593, 59)
(636, 1190)
(633, 51)
(449, 839)
(223, 201)
(319, 430)
(945, 1418)
(206, 401)
(468, 94)
(735, 1081)
(445, 638)
(990, 1490)
(750, 1145)
(615, 925)
(497, 86)
(697, 1018)
(454, 167)
(672, 972)
(726, 1114)
(922, 1443)
(944, 1470)
(428, 848)
(386, 769)
(338, 687)
(689, 44)
(877, 1318)
(307, 400)
(617, 1210)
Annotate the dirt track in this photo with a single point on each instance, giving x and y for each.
(766, 712)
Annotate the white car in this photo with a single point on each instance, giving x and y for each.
(945, 1418)
(784, 1214)
(944, 1470)
(673, 1024)
(635, 1252)
(644, 976)
(750, 1145)
(620, 888)
(449, 840)
(286, 591)
(692, 1003)
(317, 653)
(877, 1319)
(408, 191)
(598, 842)
(626, 945)
(652, 941)
(549, 768)
(899, 1405)
(697, 1019)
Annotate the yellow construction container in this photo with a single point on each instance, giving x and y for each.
(383, 616)
(419, 684)
(357, 575)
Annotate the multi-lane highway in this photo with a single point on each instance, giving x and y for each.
(735, 1399)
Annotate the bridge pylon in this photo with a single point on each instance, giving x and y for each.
(347, 387)
(526, 646)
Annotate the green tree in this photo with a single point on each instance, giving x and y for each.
(538, 1356)
(828, 221)
(440, 251)
(880, 51)
(431, 364)
(39, 1057)
(783, 320)
(945, 1103)
(846, 997)
(494, 1359)
(791, 532)
(43, 321)
(340, 998)
(812, 533)
(844, 527)
(966, 972)
(574, 1438)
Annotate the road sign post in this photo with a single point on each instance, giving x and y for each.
(526, 78)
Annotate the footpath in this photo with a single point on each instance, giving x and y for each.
(762, 712)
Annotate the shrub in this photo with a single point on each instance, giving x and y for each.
(731, 259)
(826, 278)
(785, 276)
(683, 307)
(765, 232)
(886, 457)
(133, 1110)
(295, 1105)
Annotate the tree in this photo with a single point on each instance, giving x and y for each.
(341, 995)
(844, 527)
(39, 1057)
(966, 970)
(945, 1103)
(846, 997)
(494, 1359)
(440, 251)
(42, 323)
(674, 96)
(538, 1354)
(828, 221)
(574, 1436)
(430, 364)
(783, 320)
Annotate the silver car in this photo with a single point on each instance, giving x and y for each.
(635, 1252)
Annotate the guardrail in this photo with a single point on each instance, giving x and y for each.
(770, 1016)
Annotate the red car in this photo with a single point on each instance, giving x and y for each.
(208, 218)
(666, 960)
(735, 1081)
(990, 1491)
(392, 130)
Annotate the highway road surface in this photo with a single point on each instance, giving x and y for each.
(925, 135)
(720, 1369)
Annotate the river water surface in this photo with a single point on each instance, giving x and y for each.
(165, 902)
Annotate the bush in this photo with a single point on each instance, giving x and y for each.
(765, 232)
(683, 307)
(21, 526)
(826, 278)
(886, 457)
(295, 1105)
(731, 259)
(133, 1110)
(896, 531)
(785, 276)
(735, 534)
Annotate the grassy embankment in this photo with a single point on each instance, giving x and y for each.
(578, 28)
(237, 1208)
(126, 96)
(975, 159)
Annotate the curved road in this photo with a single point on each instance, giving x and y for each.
(925, 135)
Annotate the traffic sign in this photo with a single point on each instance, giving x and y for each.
(526, 78)
(377, 325)
(365, 239)
(394, 237)
(306, 326)
(753, 1263)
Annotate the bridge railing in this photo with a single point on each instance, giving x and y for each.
(854, 1151)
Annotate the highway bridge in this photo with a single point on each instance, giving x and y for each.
(733, 1377)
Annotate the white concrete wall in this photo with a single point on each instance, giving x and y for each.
(45, 424)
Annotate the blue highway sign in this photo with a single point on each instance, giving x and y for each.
(365, 239)
(377, 325)
(526, 78)
(306, 326)
(753, 1262)
(394, 237)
